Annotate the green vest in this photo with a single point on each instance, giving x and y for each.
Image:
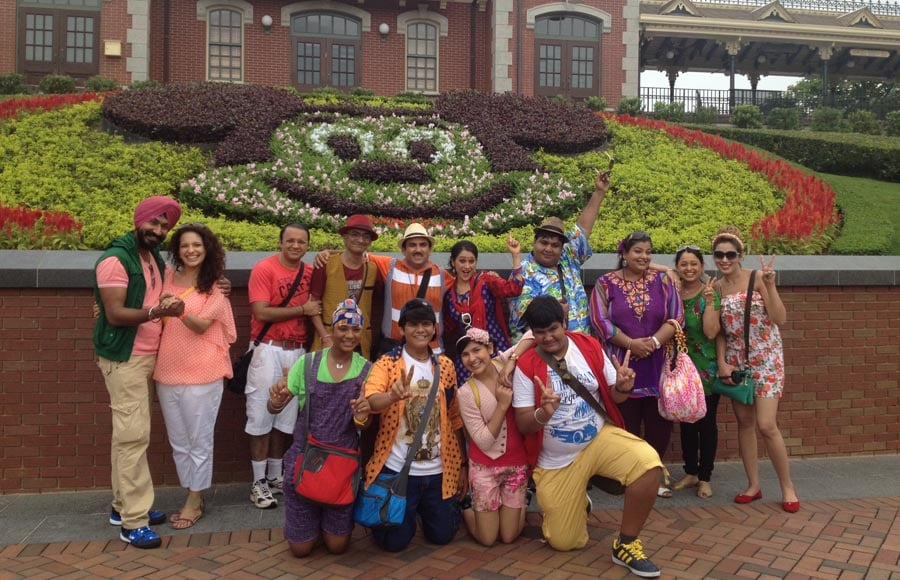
(116, 342)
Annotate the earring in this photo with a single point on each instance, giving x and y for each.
(624, 263)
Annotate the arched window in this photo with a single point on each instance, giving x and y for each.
(567, 55)
(422, 57)
(226, 45)
(326, 50)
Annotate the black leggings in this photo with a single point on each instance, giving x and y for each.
(699, 442)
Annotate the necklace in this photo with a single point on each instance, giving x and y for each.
(340, 364)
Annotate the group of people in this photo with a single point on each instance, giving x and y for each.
(348, 349)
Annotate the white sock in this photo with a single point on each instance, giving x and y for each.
(259, 469)
(274, 468)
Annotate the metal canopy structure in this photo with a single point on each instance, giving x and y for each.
(842, 38)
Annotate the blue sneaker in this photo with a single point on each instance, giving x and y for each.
(143, 538)
(156, 518)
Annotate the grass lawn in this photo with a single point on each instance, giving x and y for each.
(871, 212)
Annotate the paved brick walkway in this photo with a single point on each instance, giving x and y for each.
(856, 538)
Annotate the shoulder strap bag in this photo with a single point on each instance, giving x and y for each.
(744, 391)
(608, 485)
(383, 504)
(324, 474)
(239, 367)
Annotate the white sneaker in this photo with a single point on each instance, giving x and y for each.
(276, 485)
(261, 495)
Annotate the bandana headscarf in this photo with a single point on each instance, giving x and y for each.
(156, 206)
(347, 313)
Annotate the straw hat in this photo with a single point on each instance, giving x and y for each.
(415, 230)
(554, 227)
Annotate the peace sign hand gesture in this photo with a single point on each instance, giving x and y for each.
(625, 375)
(768, 274)
(708, 288)
(400, 389)
(360, 406)
(549, 399)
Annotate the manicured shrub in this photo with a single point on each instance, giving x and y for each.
(100, 84)
(784, 118)
(12, 84)
(595, 103)
(672, 112)
(705, 115)
(138, 85)
(12, 107)
(345, 146)
(422, 150)
(630, 106)
(412, 97)
(850, 154)
(362, 92)
(892, 123)
(828, 119)
(864, 122)
(747, 117)
(57, 84)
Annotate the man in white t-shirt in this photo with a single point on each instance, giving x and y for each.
(570, 442)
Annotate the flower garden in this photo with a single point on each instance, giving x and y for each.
(246, 159)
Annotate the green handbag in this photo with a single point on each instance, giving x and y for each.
(743, 391)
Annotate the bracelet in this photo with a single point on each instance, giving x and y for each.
(361, 423)
(628, 346)
(656, 342)
(538, 421)
(512, 356)
(150, 313)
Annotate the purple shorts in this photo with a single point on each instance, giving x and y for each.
(304, 521)
(492, 487)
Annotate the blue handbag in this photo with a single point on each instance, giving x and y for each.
(383, 503)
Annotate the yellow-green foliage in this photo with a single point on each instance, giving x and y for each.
(59, 161)
(678, 194)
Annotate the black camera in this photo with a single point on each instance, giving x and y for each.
(738, 376)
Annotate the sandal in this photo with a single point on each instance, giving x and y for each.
(704, 490)
(686, 482)
(183, 523)
(664, 492)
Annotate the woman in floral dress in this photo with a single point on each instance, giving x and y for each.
(630, 310)
(765, 362)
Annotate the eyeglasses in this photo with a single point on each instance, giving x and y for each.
(360, 235)
(732, 255)
(688, 247)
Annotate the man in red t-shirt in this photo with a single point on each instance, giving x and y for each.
(286, 339)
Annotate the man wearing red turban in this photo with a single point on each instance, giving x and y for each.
(128, 290)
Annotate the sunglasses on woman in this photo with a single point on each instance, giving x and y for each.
(731, 255)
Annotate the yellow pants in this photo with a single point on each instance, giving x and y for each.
(129, 385)
(614, 453)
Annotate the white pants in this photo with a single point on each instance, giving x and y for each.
(265, 370)
(190, 413)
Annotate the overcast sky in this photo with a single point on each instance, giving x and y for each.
(714, 81)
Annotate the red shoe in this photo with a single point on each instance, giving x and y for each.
(791, 507)
(743, 498)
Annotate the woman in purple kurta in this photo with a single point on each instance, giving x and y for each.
(630, 310)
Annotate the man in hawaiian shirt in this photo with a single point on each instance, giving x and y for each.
(553, 268)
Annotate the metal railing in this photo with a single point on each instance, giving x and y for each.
(720, 99)
(882, 8)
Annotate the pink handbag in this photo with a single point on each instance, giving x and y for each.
(680, 388)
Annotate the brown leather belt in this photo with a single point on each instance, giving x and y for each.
(287, 344)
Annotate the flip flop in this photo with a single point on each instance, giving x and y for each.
(664, 492)
(183, 523)
(686, 482)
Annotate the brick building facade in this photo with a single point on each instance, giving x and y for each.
(531, 47)
(842, 357)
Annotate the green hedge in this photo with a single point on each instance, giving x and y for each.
(856, 155)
